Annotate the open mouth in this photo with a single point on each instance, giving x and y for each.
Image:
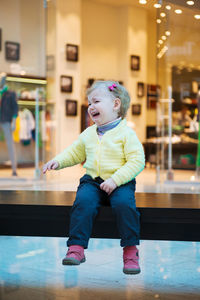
(95, 114)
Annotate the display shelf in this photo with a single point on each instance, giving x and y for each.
(26, 79)
(25, 86)
(30, 102)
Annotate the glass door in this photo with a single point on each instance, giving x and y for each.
(178, 77)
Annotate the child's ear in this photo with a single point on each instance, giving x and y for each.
(117, 104)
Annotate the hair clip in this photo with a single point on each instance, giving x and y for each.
(111, 87)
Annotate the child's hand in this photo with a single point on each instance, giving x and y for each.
(108, 186)
(50, 165)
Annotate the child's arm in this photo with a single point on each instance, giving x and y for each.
(135, 160)
(72, 155)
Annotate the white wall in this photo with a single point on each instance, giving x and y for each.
(22, 21)
(137, 38)
(68, 30)
(110, 35)
(100, 34)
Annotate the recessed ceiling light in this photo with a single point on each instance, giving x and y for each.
(157, 5)
(197, 17)
(190, 2)
(167, 33)
(178, 11)
(158, 21)
(164, 37)
(160, 42)
(168, 7)
(162, 14)
(143, 1)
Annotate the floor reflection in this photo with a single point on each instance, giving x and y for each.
(31, 269)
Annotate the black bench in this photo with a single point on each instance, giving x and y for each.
(47, 213)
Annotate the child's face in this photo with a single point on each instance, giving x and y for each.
(102, 108)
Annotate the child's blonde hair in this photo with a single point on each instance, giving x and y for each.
(116, 90)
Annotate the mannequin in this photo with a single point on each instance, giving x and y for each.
(8, 115)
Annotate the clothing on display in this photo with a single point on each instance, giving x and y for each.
(8, 114)
(27, 125)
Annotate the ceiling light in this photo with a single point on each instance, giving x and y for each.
(158, 21)
(178, 11)
(197, 17)
(190, 2)
(168, 7)
(162, 14)
(167, 33)
(164, 38)
(160, 42)
(162, 52)
(143, 1)
(157, 5)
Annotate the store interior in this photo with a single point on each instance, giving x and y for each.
(50, 52)
(51, 57)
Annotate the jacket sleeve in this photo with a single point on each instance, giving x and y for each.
(135, 160)
(72, 155)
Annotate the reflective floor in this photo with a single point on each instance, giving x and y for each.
(30, 268)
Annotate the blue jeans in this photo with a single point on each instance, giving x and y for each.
(88, 200)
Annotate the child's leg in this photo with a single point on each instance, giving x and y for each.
(84, 210)
(122, 201)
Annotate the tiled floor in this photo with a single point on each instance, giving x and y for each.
(30, 268)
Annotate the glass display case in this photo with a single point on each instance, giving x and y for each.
(27, 89)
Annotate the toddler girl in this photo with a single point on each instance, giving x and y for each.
(113, 158)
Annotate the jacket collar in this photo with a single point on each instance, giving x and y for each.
(122, 124)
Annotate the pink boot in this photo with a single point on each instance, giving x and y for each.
(75, 255)
(131, 260)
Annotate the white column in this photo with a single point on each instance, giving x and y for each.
(68, 31)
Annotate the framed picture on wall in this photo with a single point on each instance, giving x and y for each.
(71, 52)
(151, 102)
(70, 107)
(136, 109)
(0, 39)
(12, 51)
(66, 84)
(135, 62)
(153, 92)
(140, 89)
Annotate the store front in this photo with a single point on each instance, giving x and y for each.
(22, 63)
(57, 48)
